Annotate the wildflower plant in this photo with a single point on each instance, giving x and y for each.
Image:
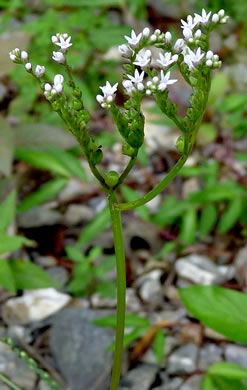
(144, 76)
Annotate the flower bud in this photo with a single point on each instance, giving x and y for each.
(24, 55)
(215, 18)
(39, 71)
(112, 179)
(180, 144)
(146, 32)
(168, 37)
(28, 66)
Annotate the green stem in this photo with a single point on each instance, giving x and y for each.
(9, 383)
(121, 289)
(125, 173)
(156, 190)
(98, 175)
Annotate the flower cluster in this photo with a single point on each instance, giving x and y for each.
(64, 42)
(21, 57)
(188, 52)
(57, 87)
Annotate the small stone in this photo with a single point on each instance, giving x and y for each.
(209, 354)
(132, 301)
(74, 189)
(77, 214)
(45, 261)
(193, 383)
(140, 377)
(170, 384)
(241, 265)
(183, 360)
(236, 354)
(201, 270)
(59, 274)
(39, 216)
(151, 290)
(190, 333)
(34, 305)
(99, 302)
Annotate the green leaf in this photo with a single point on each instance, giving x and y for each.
(107, 289)
(84, 3)
(207, 133)
(219, 86)
(7, 211)
(107, 264)
(96, 226)
(207, 383)
(159, 345)
(221, 309)
(241, 156)
(231, 215)
(6, 146)
(103, 38)
(228, 370)
(29, 276)
(208, 219)
(233, 102)
(130, 195)
(42, 194)
(219, 192)
(11, 243)
(188, 228)
(227, 384)
(131, 320)
(166, 248)
(130, 337)
(75, 254)
(6, 277)
(170, 209)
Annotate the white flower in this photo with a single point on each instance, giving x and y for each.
(187, 33)
(48, 87)
(192, 58)
(215, 18)
(190, 24)
(125, 50)
(221, 13)
(198, 34)
(179, 45)
(24, 55)
(14, 55)
(204, 18)
(168, 37)
(209, 55)
(167, 59)
(146, 32)
(28, 66)
(164, 80)
(109, 94)
(138, 78)
(58, 57)
(58, 83)
(127, 84)
(134, 39)
(62, 40)
(143, 58)
(39, 71)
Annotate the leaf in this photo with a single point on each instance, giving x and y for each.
(84, 3)
(166, 248)
(107, 289)
(130, 337)
(159, 344)
(131, 320)
(11, 243)
(231, 215)
(170, 209)
(96, 226)
(188, 228)
(207, 133)
(219, 192)
(6, 277)
(107, 264)
(6, 147)
(74, 253)
(208, 219)
(207, 383)
(7, 211)
(130, 195)
(220, 84)
(29, 276)
(227, 384)
(104, 37)
(221, 309)
(228, 370)
(233, 102)
(39, 134)
(42, 194)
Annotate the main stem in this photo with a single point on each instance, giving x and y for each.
(121, 289)
(9, 383)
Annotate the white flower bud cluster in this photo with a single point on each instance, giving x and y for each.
(108, 95)
(220, 17)
(21, 57)
(159, 83)
(55, 89)
(212, 60)
(64, 42)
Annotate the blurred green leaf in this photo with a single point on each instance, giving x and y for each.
(228, 370)
(166, 248)
(130, 195)
(107, 289)
(169, 210)
(219, 86)
(231, 215)
(221, 309)
(7, 211)
(74, 253)
(135, 334)
(131, 320)
(219, 192)
(42, 194)
(207, 133)
(6, 147)
(227, 384)
(208, 219)
(11, 243)
(159, 345)
(188, 227)
(96, 226)
(233, 102)
(6, 277)
(105, 37)
(207, 383)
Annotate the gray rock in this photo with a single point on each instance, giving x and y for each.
(193, 383)
(140, 377)
(183, 360)
(39, 216)
(201, 270)
(80, 349)
(59, 274)
(170, 384)
(151, 290)
(45, 261)
(236, 354)
(15, 369)
(209, 354)
(74, 189)
(77, 213)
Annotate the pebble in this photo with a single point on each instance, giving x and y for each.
(150, 289)
(74, 189)
(45, 261)
(183, 360)
(240, 263)
(201, 270)
(193, 383)
(236, 354)
(34, 305)
(59, 274)
(170, 383)
(140, 377)
(209, 354)
(39, 216)
(77, 214)
(80, 348)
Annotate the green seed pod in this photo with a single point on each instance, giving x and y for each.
(128, 150)
(77, 92)
(112, 179)
(77, 105)
(96, 157)
(180, 144)
(92, 146)
(55, 106)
